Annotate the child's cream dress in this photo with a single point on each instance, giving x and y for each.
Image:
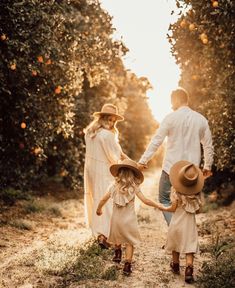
(124, 226)
(182, 234)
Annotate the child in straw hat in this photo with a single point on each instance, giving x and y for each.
(124, 227)
(187, 181)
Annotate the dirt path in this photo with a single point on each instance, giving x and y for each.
(33, 258)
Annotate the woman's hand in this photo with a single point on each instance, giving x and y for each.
(99, 212)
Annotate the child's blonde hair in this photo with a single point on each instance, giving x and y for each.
(98, 123)
(126, 181)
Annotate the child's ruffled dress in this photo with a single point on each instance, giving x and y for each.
(124, 225)
(182, 234)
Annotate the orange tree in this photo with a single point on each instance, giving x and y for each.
(47, 49)
(203, 43)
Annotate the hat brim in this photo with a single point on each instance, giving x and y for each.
(186, 190)
(119, 117)
(115, 168)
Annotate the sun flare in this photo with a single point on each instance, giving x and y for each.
(145, 34)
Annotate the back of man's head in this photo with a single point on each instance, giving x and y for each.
(179, 97)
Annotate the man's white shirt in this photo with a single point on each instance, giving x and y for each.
(185, 130)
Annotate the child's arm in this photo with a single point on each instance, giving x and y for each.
(171, 208)
(146, 200)
(102, 203)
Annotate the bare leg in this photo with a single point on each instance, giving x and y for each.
(175, 266)
(189, 268)
(175, 257)
(129, 252)
(189, 259)
(129, 255)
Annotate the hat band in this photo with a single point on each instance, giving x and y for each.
(107, 110)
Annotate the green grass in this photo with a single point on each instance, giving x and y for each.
(33, 207)
(9, 196)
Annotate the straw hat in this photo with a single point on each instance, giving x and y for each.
(186, 178)
(127, 163)
(109, 109)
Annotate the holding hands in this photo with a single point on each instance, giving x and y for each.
(141, 167)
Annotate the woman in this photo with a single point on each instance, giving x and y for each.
(102, 150)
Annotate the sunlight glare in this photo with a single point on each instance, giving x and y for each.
(143, 26)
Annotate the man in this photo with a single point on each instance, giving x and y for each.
(186, 130)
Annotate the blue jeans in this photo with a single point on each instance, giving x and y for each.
(164, 195)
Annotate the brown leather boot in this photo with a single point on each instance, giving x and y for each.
(102, 241)
(117, 255)
(175, 267)
(127, 269)
(189, 274)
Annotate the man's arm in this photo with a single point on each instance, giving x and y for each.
(208, 151)
(154, 144)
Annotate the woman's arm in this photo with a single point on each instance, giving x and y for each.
(146, 200)
(171, 208)
(102, 203)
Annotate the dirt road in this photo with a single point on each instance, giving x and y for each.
(33, 258)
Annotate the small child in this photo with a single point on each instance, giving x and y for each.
(187, 181)
(124, 226)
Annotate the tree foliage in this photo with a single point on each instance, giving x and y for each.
(53, 53)
(203, 43)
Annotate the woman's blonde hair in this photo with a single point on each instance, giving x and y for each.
(126, 181)
(98, 123)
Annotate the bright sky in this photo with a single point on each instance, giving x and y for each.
(143, 25)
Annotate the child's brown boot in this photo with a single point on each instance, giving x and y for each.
(189, 274)
(118, 255)
(127, 269)
(102, 241)
(175, 267)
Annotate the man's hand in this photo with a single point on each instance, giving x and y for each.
(141, 167)
(206, 173)
(99, 212)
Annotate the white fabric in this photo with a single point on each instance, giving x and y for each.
(182, 234)
(185, 129)
(101, 151)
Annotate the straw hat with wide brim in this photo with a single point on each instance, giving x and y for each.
(109, 109)
(186, 178)
(127, 163)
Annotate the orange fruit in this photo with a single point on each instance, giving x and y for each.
(58, 90)
(204, 40)
(215, 4)
(23, 125)
(48, 62)
(194, 77)
(40, 59)
(3, 37)
(37, 150)
(183, 24)
(13, 66)
(191, 27)
(34, 73)
(203, 36)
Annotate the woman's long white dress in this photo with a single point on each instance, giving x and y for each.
(101, 151)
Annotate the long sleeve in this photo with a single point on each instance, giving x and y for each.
(208, 150)
(155, 143)
(111, 147)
